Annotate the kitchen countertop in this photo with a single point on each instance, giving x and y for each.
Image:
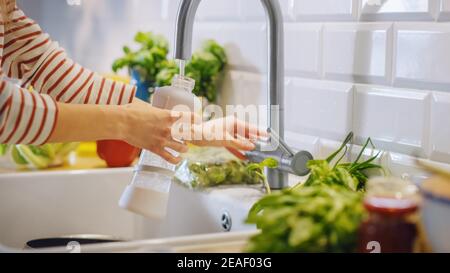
(75, 163)
(84, 158)
(229, 242)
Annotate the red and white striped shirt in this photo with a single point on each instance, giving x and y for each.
(26, 53)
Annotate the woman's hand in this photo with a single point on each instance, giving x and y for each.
(149, 128)
(228, 132)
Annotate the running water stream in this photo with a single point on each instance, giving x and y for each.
(181, 66)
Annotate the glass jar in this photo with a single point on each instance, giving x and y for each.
(391, 204)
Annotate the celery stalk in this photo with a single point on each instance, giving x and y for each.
(3, 149)
(64, 149)
(17, 157)
(39, 161)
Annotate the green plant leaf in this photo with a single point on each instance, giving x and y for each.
(17, 157)
(344, 143)
(3, 149)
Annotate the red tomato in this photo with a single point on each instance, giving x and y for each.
(117, 153)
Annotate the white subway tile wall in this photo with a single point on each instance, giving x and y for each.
(357, 52)
(422, 59)
(440, 127)
(399, 10)
(219, 10)
(325, 10)
(253, 10)
(245, 43)
(396, 120)
(319, 108)
(378, 67)
(303, 41)
(444, 10)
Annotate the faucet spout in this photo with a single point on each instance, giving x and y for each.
(275, 66)
(184, 28)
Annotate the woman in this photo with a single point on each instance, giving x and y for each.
(75, 104)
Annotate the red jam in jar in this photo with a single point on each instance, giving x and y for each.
(388, 229)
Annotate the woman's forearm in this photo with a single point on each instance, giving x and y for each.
(137, 123)
(77, 122)
(144, 126)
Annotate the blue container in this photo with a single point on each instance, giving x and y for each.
(143, 88)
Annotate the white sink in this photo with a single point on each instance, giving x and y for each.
(46, 204)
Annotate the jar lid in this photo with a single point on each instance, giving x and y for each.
(391, 195)
(390, 205)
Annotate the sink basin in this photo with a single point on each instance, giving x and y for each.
(48, 204)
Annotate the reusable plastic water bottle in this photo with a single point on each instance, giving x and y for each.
(148, 193)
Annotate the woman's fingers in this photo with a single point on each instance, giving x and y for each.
(168, 156)
(176, 146)
(229, 132)
(240, 144)
(237, 153)
(248, 130)
(185, 117)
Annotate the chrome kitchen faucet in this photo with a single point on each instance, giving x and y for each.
(288, 160)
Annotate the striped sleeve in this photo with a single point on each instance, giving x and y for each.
(25, 117)
(30, 55)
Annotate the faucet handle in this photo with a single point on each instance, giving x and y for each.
(283, 145)
(274, 143)
(299, 163)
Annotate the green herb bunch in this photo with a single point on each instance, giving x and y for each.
(321, 215)
(150, 60)
(204, 175)
(319, 218)
(258, 170)
(351, 175)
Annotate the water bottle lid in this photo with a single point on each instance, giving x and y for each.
(184, 82)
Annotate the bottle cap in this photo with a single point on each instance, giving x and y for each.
(184, 82)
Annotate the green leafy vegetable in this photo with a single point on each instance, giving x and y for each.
(258, 170)
(321, 215)
(350, 175)
(320, 218)
(204, 175)
(17, 157)
(150, 60)
(214, 48)
(3, 149)
(41, 157)
(37, 156)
